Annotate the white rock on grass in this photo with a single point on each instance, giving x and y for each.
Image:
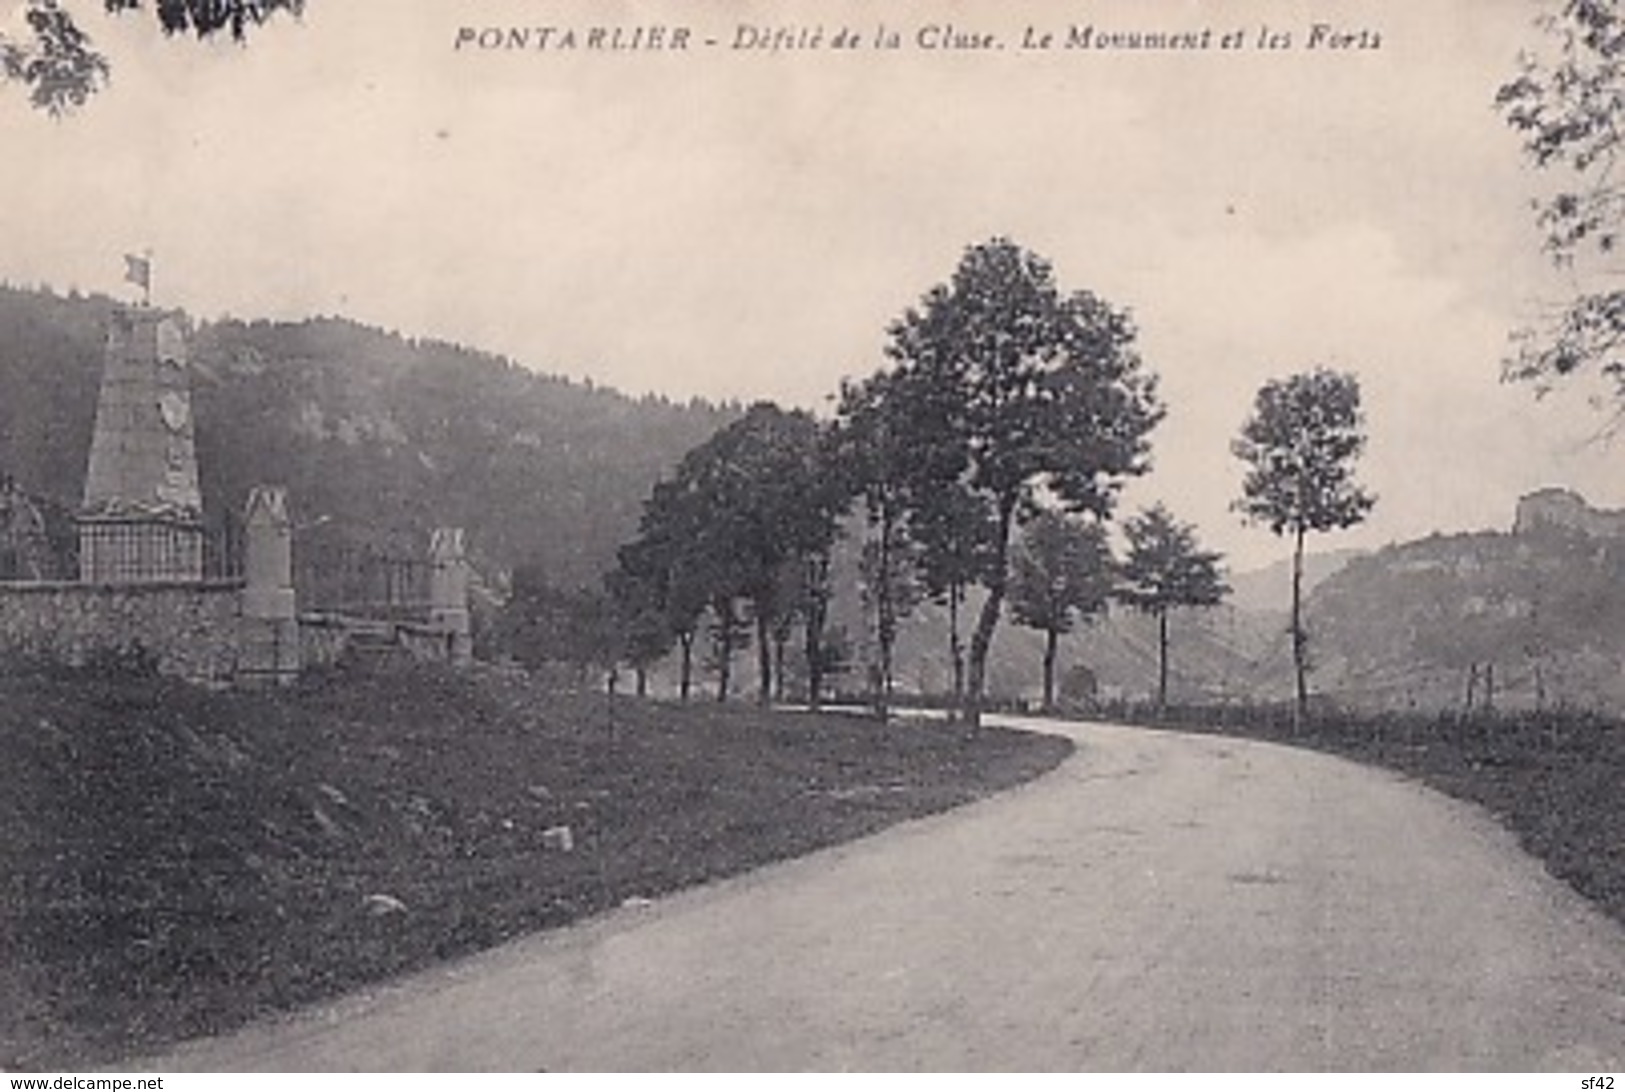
(379, 905)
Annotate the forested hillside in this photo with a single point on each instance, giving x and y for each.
(377, 436)
(1516, 620)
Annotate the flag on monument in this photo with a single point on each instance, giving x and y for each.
(138, 270)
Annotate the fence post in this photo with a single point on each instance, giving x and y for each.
(270, 618)
(448, 592)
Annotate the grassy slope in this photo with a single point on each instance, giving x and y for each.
(175, 861)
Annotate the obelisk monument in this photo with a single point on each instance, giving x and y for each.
(141, 521)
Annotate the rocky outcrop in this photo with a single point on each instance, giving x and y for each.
(1566, 510)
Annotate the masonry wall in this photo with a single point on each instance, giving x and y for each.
(192, 630)
(329, 639)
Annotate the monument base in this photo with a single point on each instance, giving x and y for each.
(137, 550)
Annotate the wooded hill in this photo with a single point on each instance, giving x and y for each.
(1516, 620)
(1509, 621)
(1503, 620)
(375, 434)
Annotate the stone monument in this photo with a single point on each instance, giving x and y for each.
(141, 521)
(270, 621)
(448, 592)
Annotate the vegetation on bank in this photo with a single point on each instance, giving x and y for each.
(177, 861)
(1552, 777)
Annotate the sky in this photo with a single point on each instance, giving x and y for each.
(744, 223)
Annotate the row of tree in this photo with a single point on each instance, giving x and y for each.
(983, 465)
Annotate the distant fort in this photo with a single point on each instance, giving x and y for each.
(1564, 509)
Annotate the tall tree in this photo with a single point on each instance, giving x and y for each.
(1166, 569)
(951, 544)
(1021, 387)
(729, 634)
(816, 591)
(1300, 445)
(60, 67)
(1568, 102)
(644, 625)
(874, 458)
(547, 623)
(1063, 571)
(756, 500)
(668, 570)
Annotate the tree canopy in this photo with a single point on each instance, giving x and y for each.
(1017, 388)
(1568, 103)
(58, 63)
(744, 512)
(1063, 571)
(1300, 445)
(1164, 569)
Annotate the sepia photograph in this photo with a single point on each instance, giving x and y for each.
(812, 536)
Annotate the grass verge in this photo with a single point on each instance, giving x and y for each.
(175, 862)
(1555, 778)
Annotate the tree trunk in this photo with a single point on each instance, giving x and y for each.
(956, 652)
(641, 674)
(1162, 658)
(886, 613)
(764, 655)
(1489, 687)
(887, 627)
(725, 655)
(1472, 687)
(1301, 706)
(813, 630)
(764, 659)
(981, 641)
(1052, 640)
(685, 675)
(780, 639)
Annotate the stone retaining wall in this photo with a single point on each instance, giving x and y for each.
(190, 630)
(195, 631)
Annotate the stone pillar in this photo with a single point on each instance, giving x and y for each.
(270, 647)
(448, 592)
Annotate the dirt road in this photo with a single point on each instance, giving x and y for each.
(1160, 902)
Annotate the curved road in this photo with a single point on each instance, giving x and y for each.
(1159, 902)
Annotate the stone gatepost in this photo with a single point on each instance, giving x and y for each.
(448, 592)
(270, 649)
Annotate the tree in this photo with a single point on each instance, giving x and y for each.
(729, 634)
(667, 571)
(873, 458)
(645, 625)
(1063, 570)
(59, 64)
(951, 551)
(821, 658)
(1165, 569)
(748, 503)
(545, 623)
(1569, 105)
(1300, 444)
(1019, 387)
